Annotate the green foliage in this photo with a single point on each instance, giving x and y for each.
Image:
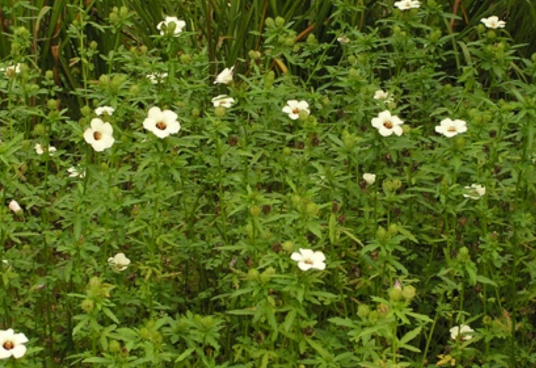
(250, 236)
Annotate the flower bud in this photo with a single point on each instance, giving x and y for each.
(383, 310)
(195, 112)
(87, 305)
(255, 55)
(269, 22)
(253, 274)
(312, 209)
(134, 89)
(113, 17)
(93, 45)
(123, 11)
(409, 292)
(288, 246)
(52, 104)
(185, 58)
(219, 111)
(363, 310)
(39, 130)
(104, 80)
(460, 142)
(395, 294)
(49, 74)
(145, 333)
(303, 115)
(296, 200)
(254, 211)
(463, 254)
(15, 207)
(280, 22)
(114, 346)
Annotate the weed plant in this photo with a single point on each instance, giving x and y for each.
(353, 201)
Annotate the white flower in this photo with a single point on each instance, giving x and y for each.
(462, 330)
(11, 70)
(381, 95)
(156, 78)
(39, 149)
(407, 4)
(119, 262)
(225, 77)
(12, 344)
(387, 124)
(179, 25)
(450, 128)
(369, 178)
(161, 123)
(294, 107)
(493, 22)
(308, 259)
(14, 206)
(100, 135)
(4, 261)
(73, 172)
(475, 191)
(223, 100)
(343, 39)
(104, 110)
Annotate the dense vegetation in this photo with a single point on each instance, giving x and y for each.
(267, 184)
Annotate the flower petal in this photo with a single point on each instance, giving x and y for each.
(18, 351)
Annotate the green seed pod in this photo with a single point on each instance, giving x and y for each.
(49, 74)
(93, 45)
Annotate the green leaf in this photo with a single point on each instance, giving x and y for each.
(185, 354)
(410, 335)
(289, 320)
(319, 349)
(485, 280)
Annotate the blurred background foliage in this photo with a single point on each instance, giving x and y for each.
(226, 29)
